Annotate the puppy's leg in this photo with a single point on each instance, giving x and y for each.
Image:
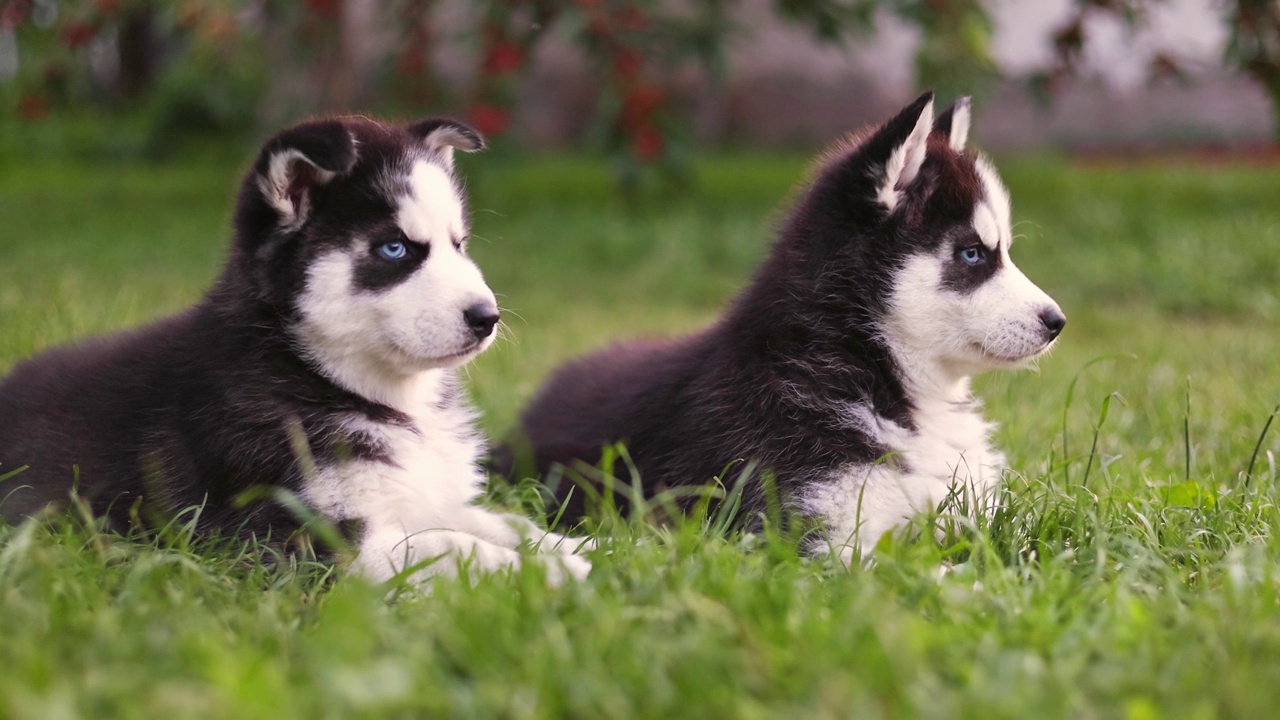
(386, 553)
(510, 530)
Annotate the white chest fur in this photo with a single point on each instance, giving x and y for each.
(429, 471)
(417, 505)
(859, 503)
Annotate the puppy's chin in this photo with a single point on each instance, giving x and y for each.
(421, 363)
(999, 359)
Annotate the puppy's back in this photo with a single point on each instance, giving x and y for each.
(79, 410)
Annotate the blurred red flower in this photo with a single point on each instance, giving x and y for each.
(504, 56)
(77, 34)
(33, 107)
(412, 62)
(328, 8)
(647, 143)
(640, 103)
(634, 18)
(489, 120)
(14, 14)
(626, 63)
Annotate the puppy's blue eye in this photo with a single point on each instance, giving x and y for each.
(971, 255)
(394, 250)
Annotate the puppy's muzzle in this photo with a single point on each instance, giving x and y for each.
(481, 318)
(1053, 321)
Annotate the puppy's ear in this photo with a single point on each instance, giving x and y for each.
(895, 152)
(300, 159)
(442, 135)
(953, 124)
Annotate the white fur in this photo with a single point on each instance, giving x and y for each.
(959, 131)
(941, 337)
(395, 347)
(443, 140)
(996, 196)
(860, 503)
(987, 226)
(372, 343)
(422, 507)
(281, 170)
(905, 161)
(938, 338)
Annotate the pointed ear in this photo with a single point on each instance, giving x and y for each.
(295, 162)
(442, 135)
(896, 151)
(953, 124)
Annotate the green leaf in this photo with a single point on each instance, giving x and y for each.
(1190, 494)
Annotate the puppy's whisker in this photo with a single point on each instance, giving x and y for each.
(517, 315)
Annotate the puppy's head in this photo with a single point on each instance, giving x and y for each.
(357, 233)
(918, 229)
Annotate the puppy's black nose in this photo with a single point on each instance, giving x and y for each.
(481, 319)
(1053, 320)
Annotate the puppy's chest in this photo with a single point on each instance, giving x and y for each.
(950, 443)
(409, 473)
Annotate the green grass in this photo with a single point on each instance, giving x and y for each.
(1147, 590)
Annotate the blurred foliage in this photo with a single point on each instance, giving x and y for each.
(191, 68)
(1253, 49)
(1255, 46)
(178, 70)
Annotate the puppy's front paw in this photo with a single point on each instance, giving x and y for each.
(561, 568)
(573, 545)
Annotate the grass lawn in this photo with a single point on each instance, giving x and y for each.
(1135, 572)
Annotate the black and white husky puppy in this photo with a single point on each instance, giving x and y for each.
(843, 368)
(323, 361)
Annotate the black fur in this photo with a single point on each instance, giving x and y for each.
(765, 382)
(471, 140)
(958, 275)
(200, 407)
(374, 272)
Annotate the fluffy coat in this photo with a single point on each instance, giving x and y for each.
(322, 364)
(843, 368)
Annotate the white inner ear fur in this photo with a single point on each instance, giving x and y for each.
(443, 140)
(278, 185)
(960, 119)
(905, 160)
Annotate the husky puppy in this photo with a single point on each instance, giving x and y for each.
(843, 368)
(323, 362)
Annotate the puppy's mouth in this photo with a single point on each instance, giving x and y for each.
(462, 356)
(1004, 359)
(459, 357)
